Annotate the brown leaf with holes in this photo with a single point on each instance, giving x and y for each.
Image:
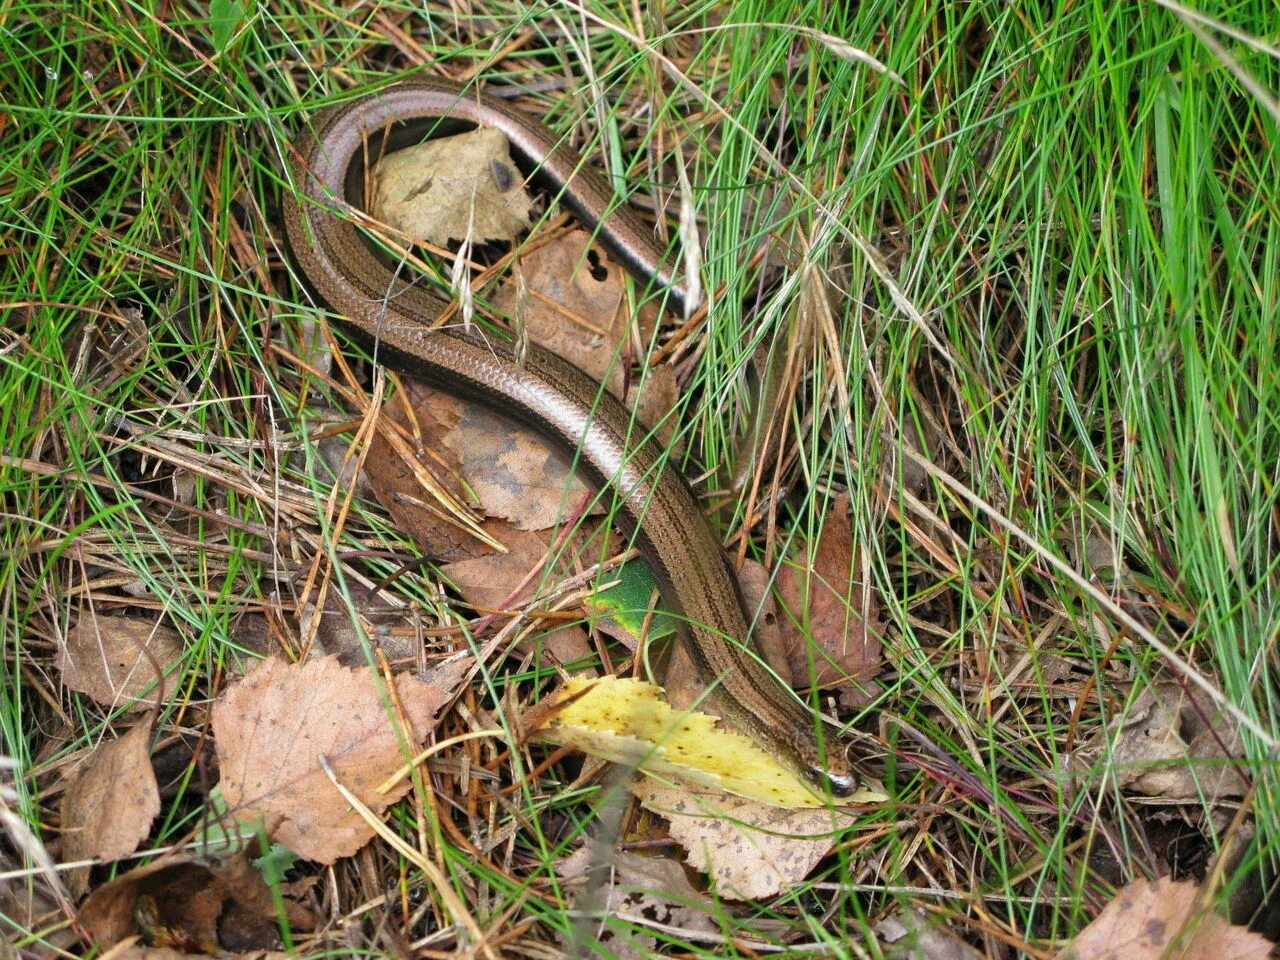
(498, 582)
(576, 307)
(108, 809)
(512, 471)
(103, 657)
(274, 725)
(453, 188)
(1163, 920)
(750, 850)
(192, 906)
(824, 599)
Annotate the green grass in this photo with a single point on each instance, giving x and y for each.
(1076, 203)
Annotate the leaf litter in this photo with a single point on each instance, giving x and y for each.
(191, 905)
(110, 804)
(453, 188)
(1164, 919)
(272, 727)
(115, 659)
(276, 726)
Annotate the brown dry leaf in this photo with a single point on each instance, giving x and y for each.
(338, 636)
(1163, 920)
(250, 918)
(494, 583)
(192, 905)
(476, 455)
(1174, 743)
(103, 658)
(251, 636)
(273, 726)
(576, 307)
(108, 809)
(618, 893)
(1092, 552)
(749, 849)
(513, 472)
(394, 485)
(826, 603)
(453, 188)
(914, 935)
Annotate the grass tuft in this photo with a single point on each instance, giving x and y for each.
(1040, 251)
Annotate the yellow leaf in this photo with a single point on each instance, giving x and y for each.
(628, 722)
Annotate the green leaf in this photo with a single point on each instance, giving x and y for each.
(626, 603)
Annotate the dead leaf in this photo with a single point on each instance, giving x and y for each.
(508, 580)
(338, 636)
(193, 906)
(911, 934)
(576, 308)
(513, 472)
(617, 894)
(137, 951)
(273, 726)
(827, 603)
(250, 918)
(1173, 743)
(395, 485)
(1163, 920)
(1092, 553)
(453, 188)
(251, 636)
(477, 455)
(1088, 542)
(103, 658)
(749, 849)
(108, 809)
